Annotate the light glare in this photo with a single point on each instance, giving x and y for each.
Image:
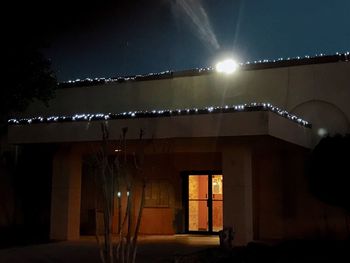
(227, 66)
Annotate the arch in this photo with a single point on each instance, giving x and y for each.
(292, 110)
(326, 118)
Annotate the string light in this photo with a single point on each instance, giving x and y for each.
(255, 106)
(169, 73)
(141, 114)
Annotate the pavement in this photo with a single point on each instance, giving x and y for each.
(150, 249)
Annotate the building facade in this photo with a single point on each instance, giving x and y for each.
(220, 150)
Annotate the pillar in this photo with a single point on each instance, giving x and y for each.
(238, 201)
(66, 194)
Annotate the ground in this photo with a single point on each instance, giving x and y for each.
(151, 249)
(292, 251)
(187, 249)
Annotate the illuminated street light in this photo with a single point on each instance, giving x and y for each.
(227, 66)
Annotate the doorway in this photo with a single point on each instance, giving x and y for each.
(204, 201)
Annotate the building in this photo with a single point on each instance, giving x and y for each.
(221, 150)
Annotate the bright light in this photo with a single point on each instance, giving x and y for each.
(227, 66)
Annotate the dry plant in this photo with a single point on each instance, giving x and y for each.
(116, 178)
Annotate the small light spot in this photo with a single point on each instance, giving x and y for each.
(322, 132)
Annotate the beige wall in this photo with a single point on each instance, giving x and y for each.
(185, 126)
(165, 160)
(165, 167)
(238, 191)
(66, 194)
(265, 190)
(319, 93)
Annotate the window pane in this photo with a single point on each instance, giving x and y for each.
(198, 216)
(198, 186)
(217, 216)
(217, 202)
(217, 187)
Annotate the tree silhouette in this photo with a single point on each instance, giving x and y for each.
(27, 76)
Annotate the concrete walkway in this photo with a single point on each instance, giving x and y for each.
(151, 249)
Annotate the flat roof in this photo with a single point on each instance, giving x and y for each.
(240, 120)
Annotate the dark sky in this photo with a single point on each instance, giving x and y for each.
(119, 38)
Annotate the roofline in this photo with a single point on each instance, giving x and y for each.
(162, 113)
(255, 65)
(220, 125)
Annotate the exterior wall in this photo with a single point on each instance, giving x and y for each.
(165, 160)
(265, 191)
(238, 195)
(169, 167)
(317, 93)
(66, 194)
(209, 125)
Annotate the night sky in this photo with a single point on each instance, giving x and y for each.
(121, 38)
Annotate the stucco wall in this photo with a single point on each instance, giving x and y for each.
(166, 167)
(282, 206)
(318, 92)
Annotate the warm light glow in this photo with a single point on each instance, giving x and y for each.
(117, 150)
(227, 66)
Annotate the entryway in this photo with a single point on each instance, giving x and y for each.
(204, 201)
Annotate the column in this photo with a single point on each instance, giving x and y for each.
(65, 196)
(238, 201)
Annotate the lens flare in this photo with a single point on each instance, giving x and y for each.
(227, 66)
(194, 13)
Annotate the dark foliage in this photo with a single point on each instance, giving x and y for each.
(27, 76)
(26, 73)
(329, 171)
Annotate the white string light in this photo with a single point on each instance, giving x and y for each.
(89, 81)
(155, 113)
(254, 106)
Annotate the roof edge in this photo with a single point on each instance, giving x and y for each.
(254, 65)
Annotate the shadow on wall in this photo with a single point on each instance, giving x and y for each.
(28, 200)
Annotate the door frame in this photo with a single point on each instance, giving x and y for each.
(185, 199)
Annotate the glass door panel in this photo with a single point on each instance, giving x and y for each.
(217, 203)
(198, 203)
